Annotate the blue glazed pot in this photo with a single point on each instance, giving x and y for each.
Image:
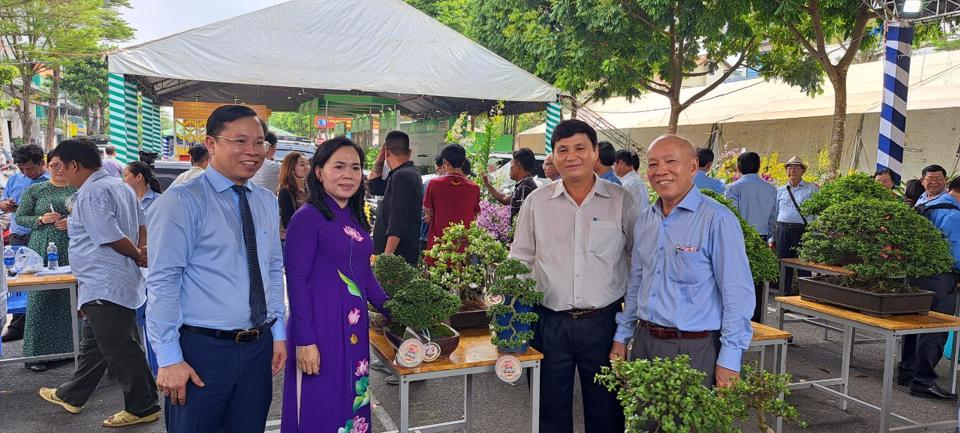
(504, 320)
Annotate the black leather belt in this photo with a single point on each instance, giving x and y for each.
(792, 225)
(240, 336)
(586, 313)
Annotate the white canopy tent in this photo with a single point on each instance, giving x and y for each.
(287, 54)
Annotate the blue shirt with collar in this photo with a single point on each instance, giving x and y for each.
(924, 198)
(947, 220)
(702, 181)
(689, 271)
(756, 200)
(611, 177)
(198, 274)
(786, 211)
(148, 199)
(16, 186)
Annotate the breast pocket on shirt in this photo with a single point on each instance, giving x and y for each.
(690, 267)
(606, 240)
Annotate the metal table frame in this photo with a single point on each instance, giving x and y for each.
(74, 321)
(779, 363)
(889, 338)
(465, 423)
(827, 327)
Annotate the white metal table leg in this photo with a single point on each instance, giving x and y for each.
(404, 405)
(468, 402)
(535, 398)
(889, 353)
(848, 334)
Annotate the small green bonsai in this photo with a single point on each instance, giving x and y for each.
(844, 189)
(393, 273)
(764, 265)
(669, 395)
(877, 240)
(423, 307)
(463, 260)
(510, 281)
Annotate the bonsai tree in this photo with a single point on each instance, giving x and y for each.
(393, 273)
(423, 307)
(462, 262)
(764, 265)
(877, 240)
(759, 391)
(669, 393)
(844, 189)
(515, 316)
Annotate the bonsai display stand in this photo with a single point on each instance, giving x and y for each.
(889, 329)
(816, 269)
(475, 355)
(767, 336)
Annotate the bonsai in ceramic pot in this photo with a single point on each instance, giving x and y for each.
(424, 307)
(514, 317)
(844, 189)
(393, 273)
(880, 242)
(462, 262)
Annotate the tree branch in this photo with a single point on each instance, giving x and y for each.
(723, 77)
(649, 87)
(813, 8)
(643, 19)
(696, 74)
(856, 37)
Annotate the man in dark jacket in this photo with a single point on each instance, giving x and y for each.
(397, 228)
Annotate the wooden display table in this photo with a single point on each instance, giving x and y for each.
(763, 337)
(31, 282)
(889, 329)
(474, 355)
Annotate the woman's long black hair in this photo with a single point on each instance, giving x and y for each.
(141, 168)
(315, 187)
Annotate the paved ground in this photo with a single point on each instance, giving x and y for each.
(500, 408)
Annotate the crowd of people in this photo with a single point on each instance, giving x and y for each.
(202, 318)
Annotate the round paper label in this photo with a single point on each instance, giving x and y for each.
(492, 299)
(508, 368)
(431, 352)
(410, 353)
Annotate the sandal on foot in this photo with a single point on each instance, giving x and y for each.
(50, 394)
(124, 418)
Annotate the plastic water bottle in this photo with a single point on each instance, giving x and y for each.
(53, 257)
(9, 259)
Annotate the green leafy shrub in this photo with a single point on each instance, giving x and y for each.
(423, 307)
(510, 281)
(393, 273)
(877, 240)
(845, 189)
(764, 265)
(669, 393)
(463, 261)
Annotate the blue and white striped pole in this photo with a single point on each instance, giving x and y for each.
(896, 81)
(554, 115)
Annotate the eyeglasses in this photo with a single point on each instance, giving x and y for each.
(56, 166)
(245, 142)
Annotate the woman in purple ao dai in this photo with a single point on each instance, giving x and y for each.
(329, 282)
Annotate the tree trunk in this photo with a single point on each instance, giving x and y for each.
(101, 118)
(50, 141)
(839, 124)
(88, 118)
(675, 110)
(26, 117)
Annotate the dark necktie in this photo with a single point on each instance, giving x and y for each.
(258, 302)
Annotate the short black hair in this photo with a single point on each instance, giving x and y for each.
(526, 159)
(954, 184)
(28, 153)
(932, 168)
(225, 114)
(570, 127)
(749, 162)
(397, 142)
(438, 161)
(913, 189)
(270, 137)
(454, 154)
(628, 157)
(608, 154)
(466, 168)
(198, 153)
(81, 150)
(704, 156)
(883, 171)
